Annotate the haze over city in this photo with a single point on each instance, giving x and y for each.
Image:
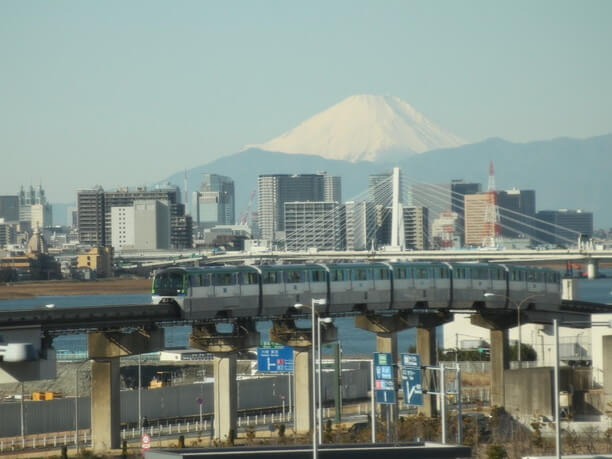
(131, 93)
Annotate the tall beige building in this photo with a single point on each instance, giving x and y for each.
(477, 230)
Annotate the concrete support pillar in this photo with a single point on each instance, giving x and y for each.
(105, 404)
(426, 348)
(569, 289)
(225, 396)
(500, 362)
(593, 269)
(303, 390)
(607, 369)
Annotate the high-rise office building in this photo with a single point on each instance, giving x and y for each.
(314, 224)
(563, 227)
(214, 204)
(517, 209)
(274, 190)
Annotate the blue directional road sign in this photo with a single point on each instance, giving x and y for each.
(411, 383)
(411, 379)
(384, 384)
(275, 359)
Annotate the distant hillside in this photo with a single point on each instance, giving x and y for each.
(566, 173)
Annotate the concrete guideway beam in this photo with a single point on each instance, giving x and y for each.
(286, 332)
(106, 345)
(404, 320)
(205, 336)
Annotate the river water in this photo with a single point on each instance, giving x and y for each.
(354, 341)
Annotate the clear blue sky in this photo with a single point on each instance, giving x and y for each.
(128, 92)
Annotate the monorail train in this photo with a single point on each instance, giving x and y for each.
(272, 290)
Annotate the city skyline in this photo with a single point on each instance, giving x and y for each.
(131, 93)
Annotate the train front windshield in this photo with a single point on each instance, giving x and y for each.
(169, 283)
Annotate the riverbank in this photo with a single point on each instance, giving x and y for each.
(74, 287)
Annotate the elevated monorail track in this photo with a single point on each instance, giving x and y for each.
(128, 316)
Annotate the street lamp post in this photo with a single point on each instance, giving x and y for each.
(518, 316)
(314, 338)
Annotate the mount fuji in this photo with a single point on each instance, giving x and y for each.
(364, 128)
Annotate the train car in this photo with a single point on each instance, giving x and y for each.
(272, 290)
(359, 287)
(418, 284)
(285, 285)
(210, 292)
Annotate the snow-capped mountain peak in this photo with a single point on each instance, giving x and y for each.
(364, 128)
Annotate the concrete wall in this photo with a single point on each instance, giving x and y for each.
(167, 402)
(529, 391)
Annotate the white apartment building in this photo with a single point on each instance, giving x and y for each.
(143, 226)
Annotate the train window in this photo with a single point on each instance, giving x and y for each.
(381, 274)
(459, 273)
(531, 276)
(422, 273)
(270, 277)
(360, 274)
(442, 273)
(481, 273)
(223, 278)
(399, 273)
(249, 278)
(195, 280)
(294, 277)
(338, 275)
(317, 276)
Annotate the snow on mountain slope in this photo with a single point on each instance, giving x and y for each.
(363, 128)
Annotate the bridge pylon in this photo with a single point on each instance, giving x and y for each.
(224, 346)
